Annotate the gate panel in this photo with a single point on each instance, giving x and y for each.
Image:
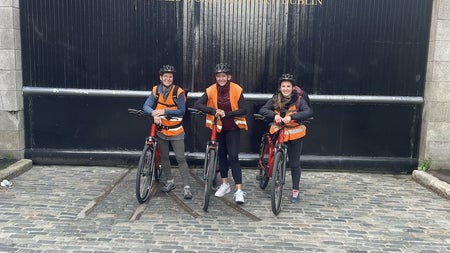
(346, 47)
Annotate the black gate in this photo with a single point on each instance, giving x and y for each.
(85, 62)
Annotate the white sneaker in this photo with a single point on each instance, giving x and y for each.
(239, 196)
(223, 189)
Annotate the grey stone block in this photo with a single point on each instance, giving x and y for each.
(11, 100)
(441, 71)
(444, 9)
(6, 2)
(8, 80)
(438, 132)
(7, 39)
(442, 50)
(6, 20)
(439, 112)
(438, 92)
(7, 60)
(9, 140)
(443, 30)
(11, 121)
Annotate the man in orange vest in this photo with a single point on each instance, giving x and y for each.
(167, 105)
(283, 107)
(225, 99)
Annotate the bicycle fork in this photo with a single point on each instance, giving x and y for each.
(283, 149)
(210, 145)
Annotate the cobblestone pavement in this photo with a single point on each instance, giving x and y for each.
(94, 209)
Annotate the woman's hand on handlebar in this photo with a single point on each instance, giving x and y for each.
(220, 113)
(286, 119)
(157, 120)
(278, 119)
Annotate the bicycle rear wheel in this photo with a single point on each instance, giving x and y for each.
(277, 182)
(210, 166)
(145, 174)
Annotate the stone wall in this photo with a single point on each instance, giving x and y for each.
(435, 135)
(12, 144)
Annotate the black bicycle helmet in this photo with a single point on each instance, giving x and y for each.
(223, 68)
(287, 77)
(167, 69)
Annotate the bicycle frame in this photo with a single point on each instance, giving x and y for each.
(272, 148)
(152, 140)
(211, 144)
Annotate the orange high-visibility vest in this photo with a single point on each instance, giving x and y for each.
(235, 94)
(170, 126)
(293, 130)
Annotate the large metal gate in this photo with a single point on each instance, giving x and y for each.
(364, 62)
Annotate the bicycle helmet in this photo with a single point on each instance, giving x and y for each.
(223, 68)
(167, 69)
(287, 77)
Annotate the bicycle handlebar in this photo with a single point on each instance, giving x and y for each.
(137, 112)
(258, 116)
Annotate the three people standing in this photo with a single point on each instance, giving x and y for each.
(224, 99)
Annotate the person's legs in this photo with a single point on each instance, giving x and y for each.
(233, 139)
(178, 149)
(165, 164)
(233, 146)
(223, 155)
(294, 152)
(223, 164)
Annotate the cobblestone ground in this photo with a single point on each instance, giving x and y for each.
(94, 209)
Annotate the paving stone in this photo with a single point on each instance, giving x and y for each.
(339, 212)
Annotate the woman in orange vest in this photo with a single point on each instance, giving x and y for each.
(167, 105)
(225, 99)
(286, 107)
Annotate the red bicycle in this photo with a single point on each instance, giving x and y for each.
(211, 158)
(149, 170)
(272, 163)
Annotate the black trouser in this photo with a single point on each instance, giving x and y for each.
(294, 152)
(229, 143)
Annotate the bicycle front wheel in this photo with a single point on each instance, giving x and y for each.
(145, 174)
(277, 181)
(263, 163)
(210, 166)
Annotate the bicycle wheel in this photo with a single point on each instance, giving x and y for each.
(210, 166)
(277, 182)
(145, 174)
(263, 165)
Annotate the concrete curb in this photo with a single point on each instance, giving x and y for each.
(432, 183)
(16, 169)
